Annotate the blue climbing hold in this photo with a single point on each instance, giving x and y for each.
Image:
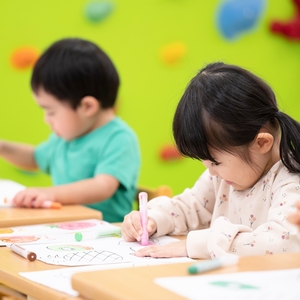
(235, 17)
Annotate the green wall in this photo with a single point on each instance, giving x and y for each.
(133, 35)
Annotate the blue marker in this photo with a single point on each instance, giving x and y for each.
(209, 265)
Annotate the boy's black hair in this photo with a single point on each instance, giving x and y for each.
(73, 68)
(223, 108)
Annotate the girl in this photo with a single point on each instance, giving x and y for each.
(295, 217)
(228, 118)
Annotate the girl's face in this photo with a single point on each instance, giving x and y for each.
(239, 174)
(66, 122)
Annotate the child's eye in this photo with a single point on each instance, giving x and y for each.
(214, 163)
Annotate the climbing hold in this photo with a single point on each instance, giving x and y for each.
(173, 53)
(170, 152)
(291, 28)
(99, 10)
(24, 57)
(235, 17)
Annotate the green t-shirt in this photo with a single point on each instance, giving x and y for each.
(111, 149)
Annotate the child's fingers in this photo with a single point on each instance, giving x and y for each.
(131, 227)
(176, 249)
(151, 227)
(294, 218)
(22, 199)
(146, 251)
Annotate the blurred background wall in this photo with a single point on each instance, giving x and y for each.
(157, 47)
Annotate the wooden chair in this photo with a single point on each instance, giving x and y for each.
(162, 190)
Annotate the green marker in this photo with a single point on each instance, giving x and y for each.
(93, 235)
(234, 285)
(212, 264)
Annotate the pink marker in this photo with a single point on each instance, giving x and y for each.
(143, 199)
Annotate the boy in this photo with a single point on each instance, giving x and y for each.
(92, 156)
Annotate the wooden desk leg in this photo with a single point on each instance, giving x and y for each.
(7, 293)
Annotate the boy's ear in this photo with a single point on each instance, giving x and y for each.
(89, 105)
(263, 142)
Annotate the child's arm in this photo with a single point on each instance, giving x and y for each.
(20, 155)
(190, 210)
(295, 217)
(264, 231)
(85, 191)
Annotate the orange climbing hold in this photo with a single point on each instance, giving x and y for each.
(24, 57)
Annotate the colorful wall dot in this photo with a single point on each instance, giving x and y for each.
(24, 57)
(97, 11)
(173, 53)
(169, 152)
(235, 17)
(291, 28)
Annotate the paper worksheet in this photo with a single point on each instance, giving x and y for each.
(54, 232)
(106, 253)
(266, 285)
(8, 189)
(110, 250)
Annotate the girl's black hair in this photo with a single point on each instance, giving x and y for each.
(73, 68)
(223, 108)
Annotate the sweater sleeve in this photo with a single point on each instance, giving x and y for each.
(188, 211)
(275, 235)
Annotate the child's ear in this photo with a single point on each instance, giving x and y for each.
(263, 142)
(89, 105)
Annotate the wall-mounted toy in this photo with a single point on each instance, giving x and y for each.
(24, 57)
(290, 29)
(170, 153)
(172, 54)
(236, 17)
(97, 11)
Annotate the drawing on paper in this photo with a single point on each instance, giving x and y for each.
(87, 257)
(19, 239)
(6, 230)
(74, 225)
(101, 251)
(69, 247)
(55, 232)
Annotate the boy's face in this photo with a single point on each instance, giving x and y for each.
(63, 120)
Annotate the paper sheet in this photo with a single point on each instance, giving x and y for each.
(8, 189)
(266, 285)
(93, 252)
(53, 232)
(61, 279)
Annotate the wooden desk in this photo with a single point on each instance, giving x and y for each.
(10, 266)
(138, 283)
(23, 216)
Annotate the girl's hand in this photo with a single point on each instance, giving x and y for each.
(132, 228)
(32, 197)
(176, 249)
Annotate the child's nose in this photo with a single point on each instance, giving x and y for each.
(212, 171)
(210, 167)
